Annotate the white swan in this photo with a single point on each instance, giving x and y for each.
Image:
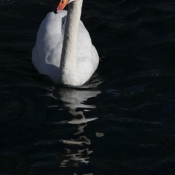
(63, 49)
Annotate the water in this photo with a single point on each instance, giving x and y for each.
(120, 122)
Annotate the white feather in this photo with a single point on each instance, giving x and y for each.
(47, 53)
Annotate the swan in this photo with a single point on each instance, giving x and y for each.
(63, 49)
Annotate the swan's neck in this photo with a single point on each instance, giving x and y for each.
(69, 51)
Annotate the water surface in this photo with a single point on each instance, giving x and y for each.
(120, 122)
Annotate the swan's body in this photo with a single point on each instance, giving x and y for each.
(63, 49)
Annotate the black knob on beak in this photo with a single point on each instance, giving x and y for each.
(55, 11)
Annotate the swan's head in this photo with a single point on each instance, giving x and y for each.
(62, 4)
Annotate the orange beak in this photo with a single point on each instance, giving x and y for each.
(62, 5)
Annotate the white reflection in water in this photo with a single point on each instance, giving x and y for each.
(73, 99)
(76, 157)
(80, 141)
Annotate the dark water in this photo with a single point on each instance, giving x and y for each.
(46, 129)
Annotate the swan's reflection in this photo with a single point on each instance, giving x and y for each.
(73, 99)
(76, 157)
